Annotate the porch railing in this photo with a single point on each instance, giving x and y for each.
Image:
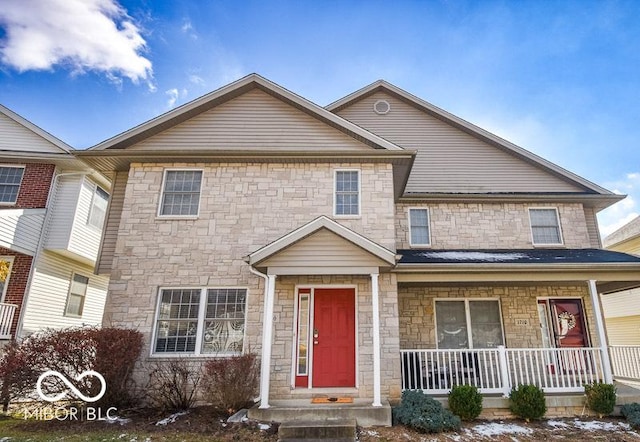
(625, 361)
(555, 370)
(7, 311)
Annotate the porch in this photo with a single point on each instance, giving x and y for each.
(7, 313)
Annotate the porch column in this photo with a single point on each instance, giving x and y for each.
(375, 303)
(267, 337)
(602, 337)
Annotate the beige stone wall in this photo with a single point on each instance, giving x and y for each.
(490, 226)
(417, 320)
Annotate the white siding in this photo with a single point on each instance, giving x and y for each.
(623, 331)
(15, 137)
(450, 160)
(85, 239)
(112, 223)
(252, 121)
(592, 227)
(20, 229)
(48, 294)
(63, 208)
(625, 303)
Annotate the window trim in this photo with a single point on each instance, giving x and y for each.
(467, 313)
(14, 166)
(335, 194)
(162, 189)
(10, 259)
(84, 296)
(411, 243)
(92, 207)
(533, 241)
(200, 324)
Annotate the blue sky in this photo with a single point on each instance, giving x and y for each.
(559, 78)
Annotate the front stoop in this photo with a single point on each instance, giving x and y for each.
(339, 430)
(299, 410)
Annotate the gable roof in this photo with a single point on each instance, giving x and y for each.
(628, 232)
(473, 130)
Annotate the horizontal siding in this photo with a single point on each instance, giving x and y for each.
(85, 239)
(592, 227)
(624, 331)
(63, 208)
(322, 249)
(253, 121)
(15, 137)
(450, 160)
(20, 230)
(625, 303)
(49, 290)
(112, 224)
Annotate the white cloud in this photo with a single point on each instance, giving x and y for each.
(174, 94)
(616, 216)
(82, 35)
(187, 28)
(197, 80)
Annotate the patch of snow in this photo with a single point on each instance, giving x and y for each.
(372, 433)
(596, 425)
(118, 420)
(264, 426)
(171, 419)
(557, 424)
(239, 416)
(454, 437)
(474, 256)
(495, 429)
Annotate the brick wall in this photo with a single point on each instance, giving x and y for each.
(34, 189)
(17, 281)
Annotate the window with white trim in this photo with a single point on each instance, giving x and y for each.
(10, 180)
(181, 193)
(5, 271)
(98, 210)
(200, 321)
(77, 295)
(347, 192)
(545, 226)
(419, 232)
(468, 323)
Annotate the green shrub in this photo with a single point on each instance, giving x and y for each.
(632, 413)
(527, 402)
(422, 413)
(465, 401)
(601, 397)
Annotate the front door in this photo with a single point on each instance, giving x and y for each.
(333, 338)
(563, 321)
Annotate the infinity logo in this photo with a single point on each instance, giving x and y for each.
(71, 386)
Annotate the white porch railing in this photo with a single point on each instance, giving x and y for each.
(625, 361)
(555, 370)
(7, 311)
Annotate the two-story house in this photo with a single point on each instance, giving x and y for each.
(374, 245)
(52, 210)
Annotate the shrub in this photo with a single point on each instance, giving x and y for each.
(17, 377)
(465, 401)
(632, 413)
(425, 414)
(601, 397)
(527, 402)
(173, 384)
(231, 383)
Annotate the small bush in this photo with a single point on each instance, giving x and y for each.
(465, 401)
(632, 413)
(527, 402)
(231, 383)
(425, 414)
(173, 384)
(601, 397)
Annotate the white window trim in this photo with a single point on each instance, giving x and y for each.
(468, 318)
(427, 244)
(23, 167)
(84, 301)
(92, 206)
(335, 194)
(201, 313)
(10, 260)
(533, 242)
(161, 201)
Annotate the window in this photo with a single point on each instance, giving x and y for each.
(5, 271)
(98, 208)
(419, 227)
(181, 193)
(347, 196)
(545, 226)
(467, 323)
(201, 321)
(77, 294)
(10, 179)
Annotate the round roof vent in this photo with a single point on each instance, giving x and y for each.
(381, 107)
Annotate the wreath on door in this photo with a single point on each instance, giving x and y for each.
(567, 322)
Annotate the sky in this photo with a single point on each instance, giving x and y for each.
(558, 78)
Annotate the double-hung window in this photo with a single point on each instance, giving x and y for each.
(468, 323)
(419, 227)
(200, 321)
(10, 179)
(181, 193)
(545, 226)
(77, 295)
(98, 208)
(347, 192)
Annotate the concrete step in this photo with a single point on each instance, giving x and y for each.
(341, 430)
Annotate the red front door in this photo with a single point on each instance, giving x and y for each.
(569, 324)
(334, 338)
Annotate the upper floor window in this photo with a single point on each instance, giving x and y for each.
(545, 226)
(181, 193)
(347, 192)
(419, 227)
(77, 295)
(98, 210)
(10, 179)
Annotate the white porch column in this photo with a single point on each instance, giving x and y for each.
(602, 337)
(375, 303)
(267, 338)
